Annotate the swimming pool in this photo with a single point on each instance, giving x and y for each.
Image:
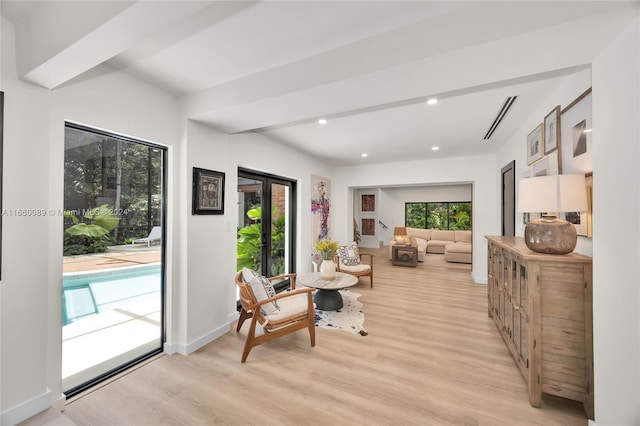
(89, 293)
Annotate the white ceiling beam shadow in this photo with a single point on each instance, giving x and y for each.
(575, 45)
(348, 78)
(81, 52)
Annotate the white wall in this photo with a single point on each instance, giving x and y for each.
(31, 287)
(616, 231)
(26, 357)
(480, 171)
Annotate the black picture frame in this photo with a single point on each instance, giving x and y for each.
(208, 192)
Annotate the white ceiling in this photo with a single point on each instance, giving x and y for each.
(275, 67)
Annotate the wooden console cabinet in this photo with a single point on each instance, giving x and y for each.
(542, 306)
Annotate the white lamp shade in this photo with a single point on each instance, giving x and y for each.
(559, 193)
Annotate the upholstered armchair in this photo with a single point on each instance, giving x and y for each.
(349, 260)
(278, 314)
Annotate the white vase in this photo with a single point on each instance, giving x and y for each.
(328, 270)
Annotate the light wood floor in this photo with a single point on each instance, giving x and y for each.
(432, 357)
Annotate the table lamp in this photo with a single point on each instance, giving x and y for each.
(552, 194)
(400, 230)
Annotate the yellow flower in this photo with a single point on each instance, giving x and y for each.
(326, 248)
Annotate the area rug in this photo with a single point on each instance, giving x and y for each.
(349, 318)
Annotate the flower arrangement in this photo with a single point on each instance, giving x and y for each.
(326, 248)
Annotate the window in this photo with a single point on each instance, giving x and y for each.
(443, 215)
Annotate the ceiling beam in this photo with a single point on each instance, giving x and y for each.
(112, 32)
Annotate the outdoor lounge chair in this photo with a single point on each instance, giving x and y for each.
(154, 235)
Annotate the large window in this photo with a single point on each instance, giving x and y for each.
(444, 215)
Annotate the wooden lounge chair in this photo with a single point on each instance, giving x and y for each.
(295, 312)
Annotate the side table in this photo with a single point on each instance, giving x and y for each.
(404, 255)
(327, 296)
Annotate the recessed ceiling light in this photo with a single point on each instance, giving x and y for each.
(322, 121)
(364, 154)
(435, 148)
(432, 101)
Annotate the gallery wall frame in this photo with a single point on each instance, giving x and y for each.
(576, 148)
(552, 130)
(547, 166)
(583, 221)
(535, 144)
(208, 192)
(368, 227)
(368, 203)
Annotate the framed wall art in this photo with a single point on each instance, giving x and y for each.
(575, 148)
(208, 192)
(368, 227)
(535, 145)
(547, 166)
(583, 221)
(368, 203)
(320, 207)
(552, 130)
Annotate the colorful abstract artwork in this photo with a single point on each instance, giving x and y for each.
(320, 207)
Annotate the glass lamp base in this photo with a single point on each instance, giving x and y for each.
(550, 236)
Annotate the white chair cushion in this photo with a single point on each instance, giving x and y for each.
(289, 306)
(355, 268)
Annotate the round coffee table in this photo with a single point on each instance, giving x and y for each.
(327, 298)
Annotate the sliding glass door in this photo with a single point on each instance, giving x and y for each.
(265, 199)
(113, 266)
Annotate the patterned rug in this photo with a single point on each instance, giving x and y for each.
(349, 318)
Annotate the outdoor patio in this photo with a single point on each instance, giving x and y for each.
(115, 257)
(97, 343)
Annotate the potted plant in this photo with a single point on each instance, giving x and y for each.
(327, 248)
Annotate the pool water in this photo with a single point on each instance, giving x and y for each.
(89, 293)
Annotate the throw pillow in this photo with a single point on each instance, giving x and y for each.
(248, 274)
(349, 255)
(263, 289)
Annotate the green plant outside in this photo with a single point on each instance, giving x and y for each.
(446, 216)
(249, 243)
(91, 237)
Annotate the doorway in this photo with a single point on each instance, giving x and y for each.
(113, 263)
(266, 199)
(508, 174)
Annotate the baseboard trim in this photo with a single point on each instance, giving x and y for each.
(479, 280)
(30, 408)
(189, 348)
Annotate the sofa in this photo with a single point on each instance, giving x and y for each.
(456, 246)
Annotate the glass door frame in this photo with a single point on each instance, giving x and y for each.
(163, 253)
(267, 181)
